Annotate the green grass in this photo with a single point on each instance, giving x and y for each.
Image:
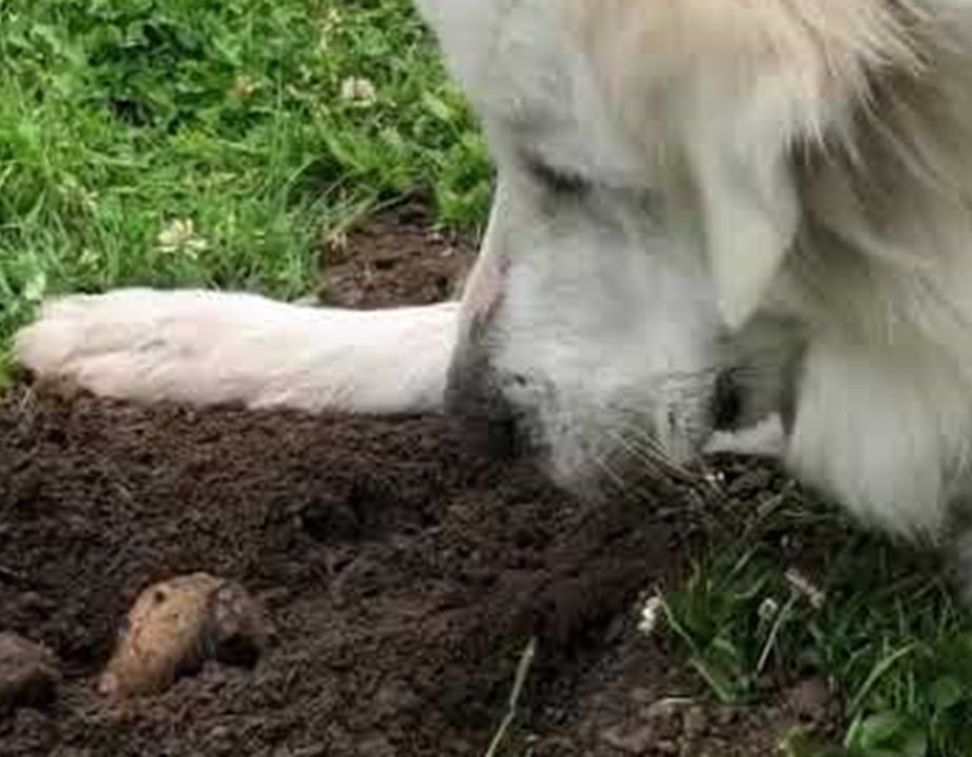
(120, 117)
(888, 633)
(212, 142)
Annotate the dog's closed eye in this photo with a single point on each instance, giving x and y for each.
(554, 179)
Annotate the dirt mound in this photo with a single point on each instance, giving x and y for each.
(403, 576)
(395, 259)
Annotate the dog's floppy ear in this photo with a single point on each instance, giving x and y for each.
(737, 86)
(744, 114)
(749, 206)
(788, 76)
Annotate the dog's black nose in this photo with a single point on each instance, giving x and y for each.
(488, 421)
(474, 397)
(726, 408)
(498, 438)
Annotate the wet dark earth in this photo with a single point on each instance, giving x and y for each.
(402, 574)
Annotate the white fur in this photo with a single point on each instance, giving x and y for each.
(764, 439)
(885, 431)
(601, 346)
(208, 348)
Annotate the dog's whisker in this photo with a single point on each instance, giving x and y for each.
(636, 437)
(625, 488)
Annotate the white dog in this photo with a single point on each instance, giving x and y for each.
(707, 211)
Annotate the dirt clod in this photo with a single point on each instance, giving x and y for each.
(810, 700)
(637, 741)
(395, 260)
(695, 722)
(28, 673)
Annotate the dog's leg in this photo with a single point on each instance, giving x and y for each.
(885, 430)
(210, 348)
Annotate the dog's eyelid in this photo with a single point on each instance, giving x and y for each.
(554, 178)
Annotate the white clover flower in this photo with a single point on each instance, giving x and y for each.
(179, 236)
(243, 87)
(359, 91)
(652, 613)
(769, 608)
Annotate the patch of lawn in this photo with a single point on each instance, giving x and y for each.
(879, 621)
(213, 142)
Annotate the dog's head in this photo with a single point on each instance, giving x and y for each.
(646, 201)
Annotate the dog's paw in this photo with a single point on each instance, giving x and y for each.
(132, 343)
(71, 332)
(209, 348)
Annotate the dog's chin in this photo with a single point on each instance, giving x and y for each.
(642, 455)
(618, 475)
(598, 462)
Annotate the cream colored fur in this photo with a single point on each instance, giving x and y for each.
(830, 146)
(214, 348)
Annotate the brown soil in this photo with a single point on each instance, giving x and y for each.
(396, 259)
(403, 576)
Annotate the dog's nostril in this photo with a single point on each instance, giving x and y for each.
(727, 402)
(489, 422)
(495, 436)
(502, 439)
